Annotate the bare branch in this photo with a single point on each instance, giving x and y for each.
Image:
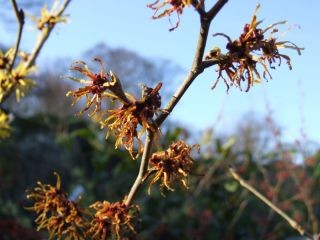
(199, 6)
(143, 167)
(20, 17)
(216, 9)
(209, 63)
(176, 97)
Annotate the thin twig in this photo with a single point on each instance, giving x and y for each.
(194, 72)
(211, 62)
(20, 17)
(216, 9)
(197, 66)
(176, 97)
(292, 222)
(199, 6)
(205, 21)
(242, 206)
(143, 167)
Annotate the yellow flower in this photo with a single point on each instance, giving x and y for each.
(5, 84)
(16, 79)
(110, 220)
(4, 125)
(6, 58)
(172, 165)
(20, 80)
(56, 213)
(49, 18)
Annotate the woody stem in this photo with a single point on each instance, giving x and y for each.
(143, 167)
(196, 69)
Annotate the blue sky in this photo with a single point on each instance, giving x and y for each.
(293, 95)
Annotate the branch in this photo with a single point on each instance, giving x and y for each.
(292, 223)
(20, 18)
(176, 97)
(209, 63)
(196, 69)
(199, 6)
(198, 65)
(143, 167)
(194, 72)
(216, 9)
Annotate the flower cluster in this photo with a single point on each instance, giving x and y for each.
(124, 121)
(56, 213)
(96, 86)
(111, 220)
(172, 165)
(49, 18)
(175, 6)
(250, 50)
(14, 78)
(4, 125)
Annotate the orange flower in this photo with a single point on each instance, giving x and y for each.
(56, 213)
(174, 164)
(129, 121)
(111, 219)
(252, 49)
(97, 84)
(176, 6)
(123, 122)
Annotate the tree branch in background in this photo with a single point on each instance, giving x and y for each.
(292, 222)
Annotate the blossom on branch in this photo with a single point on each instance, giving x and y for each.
(124, 122)
(131, 119)
(96, 86)
(173, 165)
(16, 79)
(48, 18)
(251, 50)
